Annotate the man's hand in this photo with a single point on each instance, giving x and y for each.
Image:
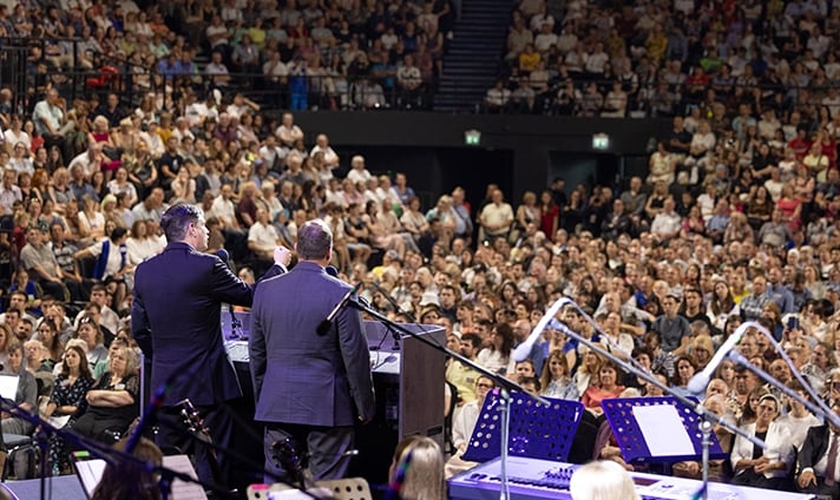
(806, 479)
(282, 255)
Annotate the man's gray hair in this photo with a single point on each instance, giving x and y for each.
(315, 240)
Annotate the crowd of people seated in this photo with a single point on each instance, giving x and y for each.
(735, 220)
(298, 54)
(653, 58)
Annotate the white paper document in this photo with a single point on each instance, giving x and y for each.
(8, 386)
(663, 430)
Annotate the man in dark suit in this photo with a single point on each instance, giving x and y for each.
(176, 320)
(819, 452)
(310, 387)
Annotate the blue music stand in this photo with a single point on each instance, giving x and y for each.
(535, 430)
(631, 441)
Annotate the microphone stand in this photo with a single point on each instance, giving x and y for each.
(235, 324)
(505, 385)
(819, 409)
(233, 454)
(107, 453)
(708, 416)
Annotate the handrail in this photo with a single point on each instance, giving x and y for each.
(339, 92)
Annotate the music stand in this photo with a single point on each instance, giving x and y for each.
(535, 430)
(657, 429)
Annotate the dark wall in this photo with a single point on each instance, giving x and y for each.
(433, 171)
(517, 152)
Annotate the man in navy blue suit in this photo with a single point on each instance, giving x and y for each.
(176, 320)
(311, 386)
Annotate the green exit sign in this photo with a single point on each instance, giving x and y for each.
(472, 137)
(601, 142)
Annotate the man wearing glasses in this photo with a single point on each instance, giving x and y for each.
(463, 425)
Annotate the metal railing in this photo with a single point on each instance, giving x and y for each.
(30, 65)
(83, 73)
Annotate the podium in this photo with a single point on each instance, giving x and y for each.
(408, 378)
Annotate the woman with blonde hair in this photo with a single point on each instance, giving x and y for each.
(418, 465)
(587, 372)
(602, 480)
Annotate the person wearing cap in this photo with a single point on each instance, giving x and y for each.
(766, 468)
(429, 308)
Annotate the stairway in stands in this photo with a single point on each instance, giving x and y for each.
(475, 55)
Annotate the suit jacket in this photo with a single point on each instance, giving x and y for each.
(299, 376)
(176, 320)
(814, 447)
(779, 447)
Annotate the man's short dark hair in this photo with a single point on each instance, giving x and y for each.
(177, 218)
(472, 338)
(315, 240)
(118, 233)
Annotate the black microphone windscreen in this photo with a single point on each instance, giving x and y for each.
(332, 271)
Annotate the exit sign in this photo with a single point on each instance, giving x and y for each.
(601, 142)
(472, 137)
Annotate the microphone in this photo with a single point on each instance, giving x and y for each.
(234, 321)
(699, 381)
(523, 350)
(325, 325)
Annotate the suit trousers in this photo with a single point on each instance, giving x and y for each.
(174, 435)
(326, 448)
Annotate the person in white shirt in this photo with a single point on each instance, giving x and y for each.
(287, 133)
(15, 134)
(358, 172)
(153, 141)
(463, 423)
(195, 111)
(799, 419)
(497, 217)
(667, 223)
(322, 144)
(275, 69)
(217, 71)
(497, 97)
(272, 154)
(263, 237)
(545, 39)
(224, 209)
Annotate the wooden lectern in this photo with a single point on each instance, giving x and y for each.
(409, 382)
